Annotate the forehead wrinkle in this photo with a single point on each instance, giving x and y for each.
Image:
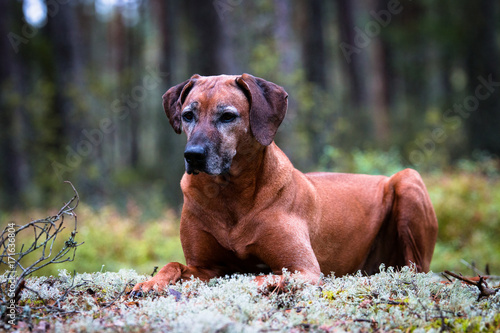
(224, 107)
(191, 106)
(212, 91)
(207, 85)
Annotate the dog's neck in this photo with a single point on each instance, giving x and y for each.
(248, 173)
(266, 165)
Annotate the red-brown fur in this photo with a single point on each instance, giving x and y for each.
(264, 215)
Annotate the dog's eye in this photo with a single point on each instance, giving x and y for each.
(188, 116)
(227, 117)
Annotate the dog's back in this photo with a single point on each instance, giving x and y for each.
(354, 208)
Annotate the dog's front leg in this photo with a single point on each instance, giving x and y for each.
(202, 253)
(278, 282)
(286, 246)
(171, 273)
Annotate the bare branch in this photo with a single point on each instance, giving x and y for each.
(45, 232)
(481, 284)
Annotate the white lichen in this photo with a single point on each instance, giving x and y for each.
(390, 300)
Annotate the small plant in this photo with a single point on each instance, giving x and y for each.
(45, 232)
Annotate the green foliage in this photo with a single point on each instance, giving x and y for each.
(119, 239)
(468, 212)
(372, 162)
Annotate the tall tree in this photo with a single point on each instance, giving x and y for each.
(284, 43)
(283, 35)
(126, 43)
(169, 145)
(379, 85)
(13, 156)
(164, 14)
(313, 46)
(64, 33)
(352, 53)
(205, 56)
(483, 121)
(314, 64)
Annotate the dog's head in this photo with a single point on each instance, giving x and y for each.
(220, 114)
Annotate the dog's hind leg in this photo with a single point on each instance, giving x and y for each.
(415, 219)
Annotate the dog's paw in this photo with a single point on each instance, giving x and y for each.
(271, 284)
(171, 273)
(154, 284)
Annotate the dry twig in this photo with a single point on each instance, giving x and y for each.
(481, 284)
(45, 233)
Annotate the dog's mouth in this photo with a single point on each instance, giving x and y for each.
(191, 171)
(197, 168)
(206, 159)
(194, 169)
(212, 169)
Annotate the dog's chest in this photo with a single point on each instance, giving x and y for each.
(233, 233)
(240, 257)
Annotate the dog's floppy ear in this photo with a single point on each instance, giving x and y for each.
(268, 104)
(173, 100)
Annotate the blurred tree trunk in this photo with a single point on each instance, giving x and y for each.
(135, 44)
(164, 14)
(355, 56)
(379, 94)
(483, 122)
(283, 35)
(313, 57)
(379, 84)
(117, 63)
(64, 33)
(170, 146)
(284, 45)
(411, 60)
(313, 44)
(353, 60)
(226, 52)
(205, 55)
(126, 60)
(13, 155)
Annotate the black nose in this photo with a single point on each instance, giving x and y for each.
(195, 155)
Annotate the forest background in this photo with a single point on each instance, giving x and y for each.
(375, 86)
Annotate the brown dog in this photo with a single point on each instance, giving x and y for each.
(246, 209)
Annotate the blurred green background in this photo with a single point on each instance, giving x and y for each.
(374, 86)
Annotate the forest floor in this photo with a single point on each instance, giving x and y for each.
(405, 301)
(391, 300)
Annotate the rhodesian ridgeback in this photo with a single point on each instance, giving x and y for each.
(248, 210)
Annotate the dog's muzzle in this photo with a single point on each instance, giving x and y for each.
(196, 159)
